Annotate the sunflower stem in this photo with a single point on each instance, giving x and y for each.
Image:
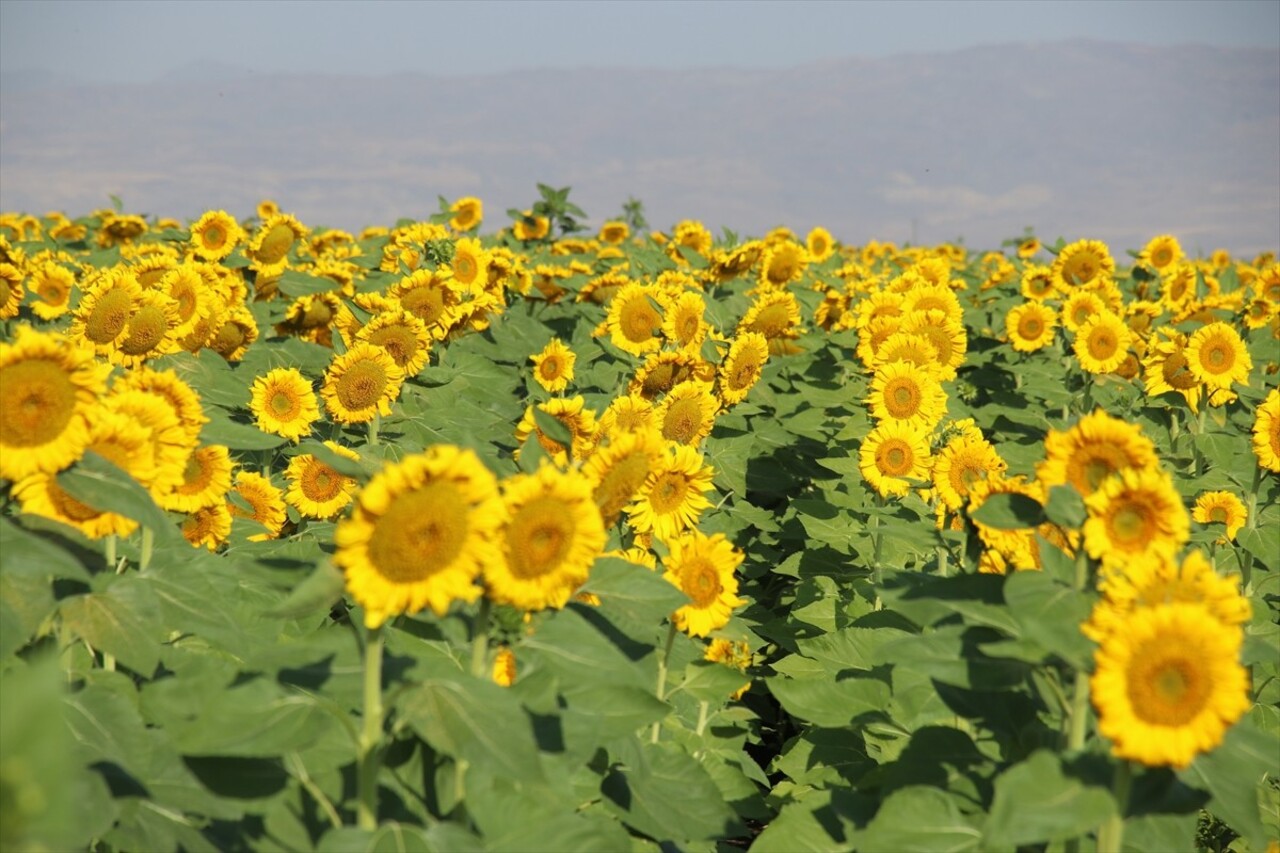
(373, 429)
(877, 571)
(148, 542)
(111, 553)
(480, 640)
(371, 735)
(1111, 833)
(942, 560)
(662, 676)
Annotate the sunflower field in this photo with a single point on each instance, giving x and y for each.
(439, 537)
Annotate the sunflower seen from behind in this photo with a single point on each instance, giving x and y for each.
(703, 568)
(420, 533)
(551, 534)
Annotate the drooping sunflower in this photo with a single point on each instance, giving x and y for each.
(1102, 343)
(553, 366)
(573, 413)
(672, 496)
(266, 504)
(468, 212)
(1266, 432)
(283, 403)
(551, 535)
(1161, 252)
(891, 454)
(206, 479)
(742, 367)
(1030, 326)
(963, 461)
(1133, 514)
(420, 533)
(269, 249)
(51, 288)
(1217, 356)
(361, 383)
(11, 291)
(1220, 508)
(902, 392)
(702, 567)
(782, 263)
(619, 468)
(663, 371)
(683, 324)
(403, 336)
(48, 389)
(315, 489)
(1081, 263)
(102, 317)
(687, 414)
(1168, 685)
(207, 526)
(776, 315)
(215, 235)
(635, 319)
(1091, 450)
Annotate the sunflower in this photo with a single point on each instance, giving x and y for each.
(671, 498)
(573, 413)
(1030, 326)
(402, 335)
(878, 304)
(1136, 513)
(929, 297)
(429, 296)
(150, 331)
(635, 319)
(1028, 247)
(551, 535)
(1266, 432)
(963, 461)
(269, 249)
(627, 413)
(102, 317)
(945, 333)
(891, 454)
(215, 235)
(1151, 582)
(691, 234)
(819, 244)
(51, 287)
(170, 442)
(470, 264)
(266, 504)
(702, 567)
(504, 667)
(742, 367)
(553, 366)
(905, 393)
(1166, 368)
(737, 655)
(467, 214)
(1079, 307)
(1222, 508)
(361, 383)
(782, 263)
(776, 315)
(615, 232)
(283, 403)
(687, 414)
(206, 479)
(1178, 286)
(208, 526)
(529, 227)
(873, 335)
(1102, 342)
(420, 533)
(1168, 685)
(315, 489)
(683, 323)
(618, 469)
(1081, 263)
(1092, 450)
(601, 289)
(235, 333)
(48, 389)
(1161, 253)
(665, 370)
(1218, 357)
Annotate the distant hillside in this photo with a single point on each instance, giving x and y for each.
(1076, 138)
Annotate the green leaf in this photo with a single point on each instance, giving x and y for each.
(319, 591)
(1232, 773)
(395, 837)
(1036, 802)
(237, 436)
(1050, 613)
(552, 427)
(711, 682)
(643, 595)
(829, 702)
(1065, 507)
(668, 796)
(339, 463)
(1009, 511)
(474, 721)
(98, 483)
(29, 554)
(807, 825)
(919, 818)
(123, 620)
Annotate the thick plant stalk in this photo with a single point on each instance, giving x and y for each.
(1111, 833)
(480, 640)
(369, 753)
(661, 690)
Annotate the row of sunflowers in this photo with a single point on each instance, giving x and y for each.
(426, 538)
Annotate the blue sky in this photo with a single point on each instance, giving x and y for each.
(139, 41)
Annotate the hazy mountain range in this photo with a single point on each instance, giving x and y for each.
(1078, 139)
